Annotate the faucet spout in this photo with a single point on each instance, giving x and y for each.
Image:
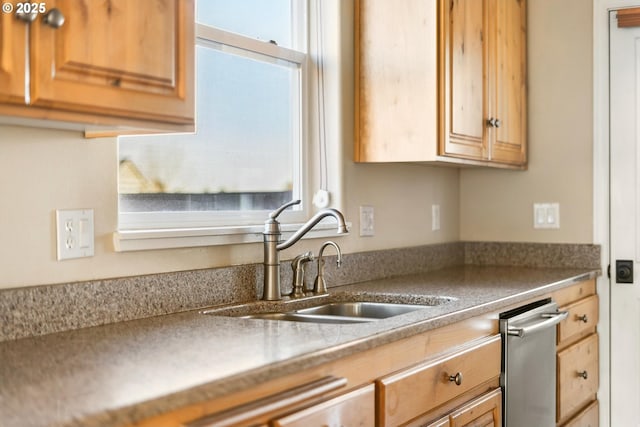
(273, 246)
(342, 227)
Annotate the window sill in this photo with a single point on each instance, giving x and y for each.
(141, 240)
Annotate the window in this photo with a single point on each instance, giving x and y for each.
(246, 156)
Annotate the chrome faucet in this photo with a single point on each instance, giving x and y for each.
(273, 246)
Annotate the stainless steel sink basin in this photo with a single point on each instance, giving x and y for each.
(309, 318)
(325, 311)
(364, 310)
(341, 312)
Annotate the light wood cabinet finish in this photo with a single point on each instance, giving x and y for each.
(483, 80)
(582, 320)
(589, 417)
(12, 59)
(261, 410)
(354, 409)
(577, 353)
(396, 80)
(417, 390)
(577, 376)
(442, 422)
(463, 62)
(111, 62)
(508, 90)
(431, 75)
(484, 411)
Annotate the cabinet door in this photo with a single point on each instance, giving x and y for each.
(118, 57)
(396, 82)
(508, 77)
(577, 376)
(463, 67)
(588, 417)
(354, 409)
(12, 58)
(484, 411)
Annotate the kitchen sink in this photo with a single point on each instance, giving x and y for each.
(330, 310)
(363, 310)
(309, 318)
(343, 312)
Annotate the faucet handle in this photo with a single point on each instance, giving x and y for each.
(274, 214)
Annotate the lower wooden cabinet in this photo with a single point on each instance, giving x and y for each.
(577, 357)
(414, 392)
(486, 410)
(588, 417)
(353, 409)
(446, 377)
(577, 376)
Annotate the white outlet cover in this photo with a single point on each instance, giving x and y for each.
(74, 233)
(367, 222)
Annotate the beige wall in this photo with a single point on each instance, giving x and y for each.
(498, 205)
(44, 170)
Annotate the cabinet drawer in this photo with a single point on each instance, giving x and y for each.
(577, 375)
(486, 410)
(583, 317)
(588, 417)
(356, 409)
(415, 391)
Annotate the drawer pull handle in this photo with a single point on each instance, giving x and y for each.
(584, 375)
(457, 378)
(582, 318)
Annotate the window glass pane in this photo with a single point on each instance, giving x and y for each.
(241, 157)
(261, 19)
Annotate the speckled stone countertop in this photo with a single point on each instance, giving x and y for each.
(125, 372)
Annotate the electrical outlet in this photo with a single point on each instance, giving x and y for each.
(74, 232)
(367, 224)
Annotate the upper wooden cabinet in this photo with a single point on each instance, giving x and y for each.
(441, 81)
(115, 62)
(396, 80)
(483, 80)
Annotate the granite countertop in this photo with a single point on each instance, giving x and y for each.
(125, 372)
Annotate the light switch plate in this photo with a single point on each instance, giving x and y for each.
(435, 217)
(74, 232)
(546, 215)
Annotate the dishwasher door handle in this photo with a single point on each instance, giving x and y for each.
(550, 319)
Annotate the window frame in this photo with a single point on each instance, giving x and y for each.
(227, 223)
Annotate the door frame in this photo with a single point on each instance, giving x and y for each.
(601, 183)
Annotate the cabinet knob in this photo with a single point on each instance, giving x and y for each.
(53, 18)
(582, 318)
(494, 123)
(27, 17)
(457, 378)
(584, 375)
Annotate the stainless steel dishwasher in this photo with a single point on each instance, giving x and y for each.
(528, 376)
